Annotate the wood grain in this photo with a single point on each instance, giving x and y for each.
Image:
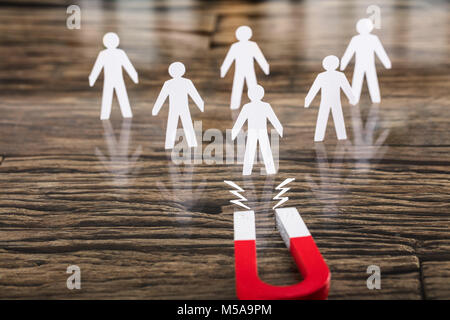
(141, 227)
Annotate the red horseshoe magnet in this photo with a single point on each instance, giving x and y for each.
(315, 272)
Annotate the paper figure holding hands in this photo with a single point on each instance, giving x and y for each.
(365, 46)
(243, 53)
(178, 89)
(112, 60)
(257, 113)
(331, 82)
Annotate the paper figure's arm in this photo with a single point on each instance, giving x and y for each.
(381, 53)
(312, 92)
(195, 96)
(239, 123)
(129, 67)
(259, 57)
(274, 120)
(348, 54)
(227, 62)
(161, 99)
(347, 88)
(98, 66)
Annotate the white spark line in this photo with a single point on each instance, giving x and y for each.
(237, 194)
(283, 191)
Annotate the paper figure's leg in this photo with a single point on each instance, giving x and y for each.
(250, 80)
(171, 131)
(188, 130)
(266, 151)
(236, 92)
(339, 124)
(124, 103)
(372, 83)
(357, 126)
(250, 151)
(321, 125)
(357, 82)
(106, 101)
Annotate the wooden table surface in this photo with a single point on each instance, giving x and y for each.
(106, 196)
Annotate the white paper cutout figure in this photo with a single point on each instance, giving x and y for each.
(257, 113)
(365, 46)
(243, 52)
(112, 60)
(178, 89)
(330, 82)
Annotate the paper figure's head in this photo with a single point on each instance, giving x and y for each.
(256, 93)
(330, 63)
(364, 26)
(176, 69)
(243, 33)
(111, 40)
